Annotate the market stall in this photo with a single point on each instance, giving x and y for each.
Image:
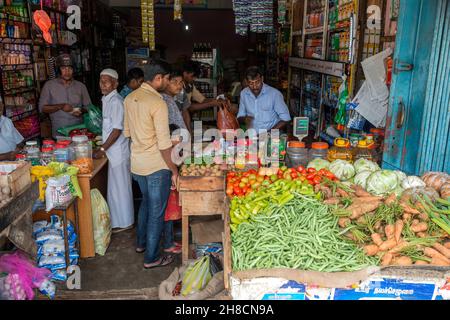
(378, 234)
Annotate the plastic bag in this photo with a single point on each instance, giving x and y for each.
(196, 277)
(58, 192)
(67, 130)
(41, 174)
(48, 234)
(102, 222)
(23, 276)
(61, 168)
(225, 119)
(173, 211)
(93, 119)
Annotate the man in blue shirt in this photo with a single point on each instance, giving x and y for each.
(134, 81)
(262, 107)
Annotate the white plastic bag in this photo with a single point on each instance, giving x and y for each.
(57, 192)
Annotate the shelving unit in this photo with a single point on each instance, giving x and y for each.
(208, 85)
(18, 90)
(321, 58)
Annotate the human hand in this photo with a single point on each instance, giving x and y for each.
(67, 108)
(174, 180)
(99, 154)
(77, 112)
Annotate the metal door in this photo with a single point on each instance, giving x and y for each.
(418, 85)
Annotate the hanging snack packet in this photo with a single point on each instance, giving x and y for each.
(58, 192)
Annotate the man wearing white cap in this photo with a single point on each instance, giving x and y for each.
(117, 148)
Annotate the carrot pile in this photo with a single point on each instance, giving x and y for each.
(395, 230)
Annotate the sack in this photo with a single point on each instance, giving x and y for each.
(214, 287)
(58, 192)
(93, 119)
(225, 119)
(173, 211)
(102, 222)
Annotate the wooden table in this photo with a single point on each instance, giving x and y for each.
(199, 196)
(98, 179)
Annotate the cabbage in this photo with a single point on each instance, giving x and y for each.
(343, 170)
(319, 164)
(361, 178)
(382, 182)
(400, 175)
(413, 182)
(365, 165)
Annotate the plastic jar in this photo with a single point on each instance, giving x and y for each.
(82, 154)
(48, 144)
(32, 152)
(297, 154)
(62, 153)
(21, 157)
(319, 150)
(47, 156)
(340, 151)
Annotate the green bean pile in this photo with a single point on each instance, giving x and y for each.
(302, 234)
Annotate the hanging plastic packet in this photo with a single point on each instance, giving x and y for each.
(340, 118)
(58, 192)
(177, 10)
(356, 121)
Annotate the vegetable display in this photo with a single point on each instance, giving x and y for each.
(319, 164)
(302, 234)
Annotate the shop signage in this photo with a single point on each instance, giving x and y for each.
(326, 67)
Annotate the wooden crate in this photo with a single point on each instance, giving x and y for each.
(202, 203)
(19, 179)
(207, 184)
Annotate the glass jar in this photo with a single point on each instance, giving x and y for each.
(297, 154)
(47, 156)
(340, 151)
(32, 152)
(319, 150)
(62, 153)
(82, 154)
(363, 151)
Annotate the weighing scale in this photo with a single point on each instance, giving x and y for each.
(301, 127)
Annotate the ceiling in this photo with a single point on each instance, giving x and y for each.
(212, 4)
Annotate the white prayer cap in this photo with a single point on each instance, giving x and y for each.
(110, 72)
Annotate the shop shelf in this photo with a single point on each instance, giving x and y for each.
(23, 115)
(312, 31)
(14, 67)
(15, 40)
(14, 92)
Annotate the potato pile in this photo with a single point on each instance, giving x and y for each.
(5, 192)
(209, 170)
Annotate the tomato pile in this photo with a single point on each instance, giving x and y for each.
(240, 184)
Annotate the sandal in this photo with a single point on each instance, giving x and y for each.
(140, 250)
(175, 250)
(162, 262)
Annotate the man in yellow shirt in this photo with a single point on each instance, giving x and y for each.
(147, 124)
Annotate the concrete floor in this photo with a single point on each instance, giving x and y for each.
(122, 268)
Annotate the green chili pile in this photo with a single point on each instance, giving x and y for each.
(302, 234)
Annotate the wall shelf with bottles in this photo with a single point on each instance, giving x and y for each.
(17, 76)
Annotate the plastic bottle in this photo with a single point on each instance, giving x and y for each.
(363, 151)
(340, 151)
(32, 151)
(47, 156)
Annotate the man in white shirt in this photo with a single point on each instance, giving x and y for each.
(117, 148)
(9, 138)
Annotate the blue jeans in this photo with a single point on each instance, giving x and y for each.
(155, 190)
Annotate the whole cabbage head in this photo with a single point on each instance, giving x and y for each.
(343, 170)
(382, 182)
(319, 164)
(365, 165)
(361, 178)
(400, 175)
